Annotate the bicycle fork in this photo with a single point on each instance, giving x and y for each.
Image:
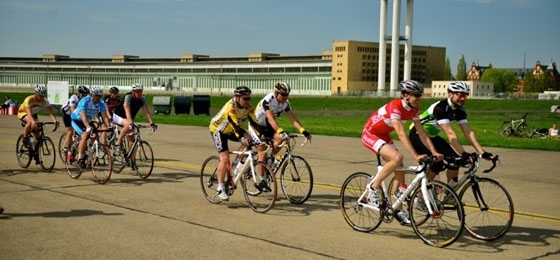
(478, 195)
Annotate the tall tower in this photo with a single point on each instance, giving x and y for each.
(395, 41)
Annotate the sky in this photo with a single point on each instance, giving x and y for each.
(506, 33)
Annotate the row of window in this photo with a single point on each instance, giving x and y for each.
(171, 70)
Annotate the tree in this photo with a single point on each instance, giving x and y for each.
(461, 69)
(447, 74)
(538, 83)
(504, 80)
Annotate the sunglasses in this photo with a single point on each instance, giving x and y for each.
(461, 95)
(284, 94)
(246, 98)
(417, 95)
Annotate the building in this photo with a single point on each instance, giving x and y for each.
(350, 68)
(478, 89)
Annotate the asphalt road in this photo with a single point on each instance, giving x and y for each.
(51, 216)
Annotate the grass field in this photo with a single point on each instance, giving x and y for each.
(345, 116)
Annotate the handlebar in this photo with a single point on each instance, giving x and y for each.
(461, 162)
(41, 124)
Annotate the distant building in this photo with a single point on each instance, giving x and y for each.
(478, 89)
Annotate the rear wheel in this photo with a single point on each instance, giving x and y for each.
(209, 179)
(505, 129)
(101, 164)
(296, 180)
(23, 153)
(47, 154)
(72, 166)
(360, 218)
(258, 200)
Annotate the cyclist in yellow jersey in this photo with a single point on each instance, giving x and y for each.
(31, 106)
(227, 125)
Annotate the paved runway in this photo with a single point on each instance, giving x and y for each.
(50, 216)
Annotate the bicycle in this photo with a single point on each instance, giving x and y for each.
(258, 200)
(517, 127)
(435, 219)
(42, 150)
(296, 177)
(98, 157)
(62, 150)
(489, 209)
(139, 155)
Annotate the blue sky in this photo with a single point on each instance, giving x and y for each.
(501, 32)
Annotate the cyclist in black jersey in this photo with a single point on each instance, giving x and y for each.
(125, 113)
(112, 101)
(438, 117)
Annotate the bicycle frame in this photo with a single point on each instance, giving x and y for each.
(288, 144)
(249, 163)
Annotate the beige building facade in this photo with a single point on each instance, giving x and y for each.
(479, 89)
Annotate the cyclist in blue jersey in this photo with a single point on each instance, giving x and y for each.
(87, 108)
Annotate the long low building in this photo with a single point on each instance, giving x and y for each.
(350, 68)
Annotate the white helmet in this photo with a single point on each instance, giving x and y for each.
(41, 90)
(458, 87)
(96, 90)
(137, 86)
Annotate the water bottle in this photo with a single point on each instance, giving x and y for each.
(270, 159)
(277, 161)
(400, 191)
(32, 141)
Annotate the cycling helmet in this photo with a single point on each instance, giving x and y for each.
(242, 91)
(137, 86)
(96, 90)
(411, 87)
(41, 90)
(83, 90)
(459, 87)
(114, 90)
(282, 87)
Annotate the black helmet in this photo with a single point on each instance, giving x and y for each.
(241, 91)
(114, 90)
(83, 90)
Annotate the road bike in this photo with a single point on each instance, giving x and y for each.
(435, 218)
(42, 149)
(488, 206)
(62, 150)
(517, 127)
(246, 175)
(296, 177)
(97, 157)
(134, 152)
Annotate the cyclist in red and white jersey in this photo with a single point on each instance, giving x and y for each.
(375, 136)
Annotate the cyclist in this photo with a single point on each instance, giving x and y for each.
(112, 101)
(226, 125)
(31, 106)
(268, 109)
(67, 110)
(125, 113)
(438, 117)
(88, 107)
(375, 136)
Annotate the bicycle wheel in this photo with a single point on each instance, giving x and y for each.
(72, 167)
(488, 209)
(259, 201)
(523, 130)
(296, 180)
(143, 161)
(23, 153)
(119, 160)
(505, 129)
(209, 179)
(101, 164)
(61, 147)
(444, 226)
(360, 218)
(47, 154)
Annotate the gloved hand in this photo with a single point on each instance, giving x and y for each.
(244, 141)
(306, 134)
(154, 126)
(486, 155)
(465, 158)
(88, 129)
(284, 135)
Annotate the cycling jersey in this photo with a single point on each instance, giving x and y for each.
(72, 102)
(112, 103)
(441, 112)
(269, 102)
(135, 105)
(231, 117)
(379, 123)
(35, 106)
(90, 107)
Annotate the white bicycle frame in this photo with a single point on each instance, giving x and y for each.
(419, 179)
(248, 154)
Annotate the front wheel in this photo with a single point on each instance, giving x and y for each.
(488, 209)
(296, 179)
(143, 161)
(352, 197)
(47, 154)
(209, 179)
(444, 225)
(259, 201)
(101, 164)
(62, 147)
(505, 129)
(23, 153)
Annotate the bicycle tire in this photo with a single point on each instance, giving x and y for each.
(143, 161)
(23, 153)
(523, 130)
(258, 200)
(119, 160)
(72, 168)
(360, 218)
(47, 153)
(209, 179)
(61, 146)
(101, 164)
(445, 225)
(490, 223)
(505, 129)
(296, 179)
